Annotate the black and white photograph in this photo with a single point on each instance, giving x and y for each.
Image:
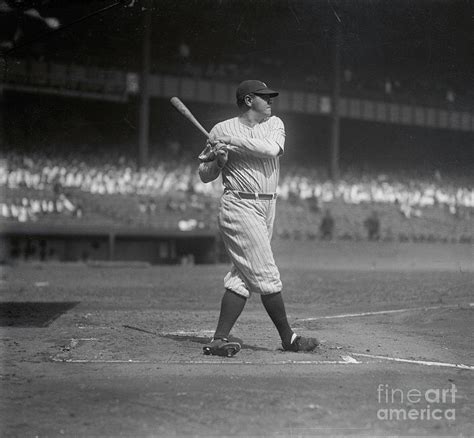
(236, 218)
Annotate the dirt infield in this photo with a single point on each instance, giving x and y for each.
(117, 351)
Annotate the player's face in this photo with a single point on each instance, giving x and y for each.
(262, 104)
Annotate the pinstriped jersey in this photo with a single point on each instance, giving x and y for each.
(246, 172)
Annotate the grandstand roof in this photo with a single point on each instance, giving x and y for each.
(428, 36)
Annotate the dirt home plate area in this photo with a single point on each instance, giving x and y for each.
(105, 350)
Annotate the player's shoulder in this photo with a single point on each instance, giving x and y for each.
(223, 125)
(275, 122)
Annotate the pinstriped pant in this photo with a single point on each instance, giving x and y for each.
(246, 226)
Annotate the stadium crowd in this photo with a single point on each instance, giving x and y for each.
(39, 172)
(26, 209)
(410, 193)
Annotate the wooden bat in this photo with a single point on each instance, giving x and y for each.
(183, 109)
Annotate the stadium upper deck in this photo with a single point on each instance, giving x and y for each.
(405, 51)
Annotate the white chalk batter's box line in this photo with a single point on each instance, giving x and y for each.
(346, 360)
(349, 361)
(417, 362)
(384, 312)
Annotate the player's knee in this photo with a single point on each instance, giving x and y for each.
(239, 291)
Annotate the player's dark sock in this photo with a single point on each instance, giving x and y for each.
(232, 305)
(275, 308)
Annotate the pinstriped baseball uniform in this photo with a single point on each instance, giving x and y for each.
(246, 225)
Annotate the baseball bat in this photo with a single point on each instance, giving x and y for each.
(183, 109)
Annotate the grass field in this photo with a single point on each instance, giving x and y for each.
(116, 350)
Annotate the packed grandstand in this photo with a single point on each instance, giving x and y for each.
(103, 188)
(168, 194)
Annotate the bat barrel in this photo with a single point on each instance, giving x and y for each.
(183, 109)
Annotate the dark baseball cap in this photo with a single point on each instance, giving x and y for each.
(255, 87)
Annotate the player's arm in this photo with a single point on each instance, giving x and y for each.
(213, 158)
(272, 146)
(211, 166)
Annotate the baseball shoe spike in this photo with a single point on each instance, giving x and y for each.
(302, 344)
(222, 347)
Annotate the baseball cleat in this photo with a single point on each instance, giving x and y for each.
(222, 347)
(302, 344)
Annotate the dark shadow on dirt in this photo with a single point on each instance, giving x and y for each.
(32, 314)
(205, 340)
(196, 339)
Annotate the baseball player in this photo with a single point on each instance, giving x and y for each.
(246, 151)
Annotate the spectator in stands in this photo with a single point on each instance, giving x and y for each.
(372, 225)
(184, 51)
(142, 207)
(347, 75)
(313, 204)
(78, 210)
(450, 95)
(326, 228)
(151, 206)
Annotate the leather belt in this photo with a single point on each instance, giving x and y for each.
(255, 196)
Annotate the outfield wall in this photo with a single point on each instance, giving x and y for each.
(33, 242)
(80, 243)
